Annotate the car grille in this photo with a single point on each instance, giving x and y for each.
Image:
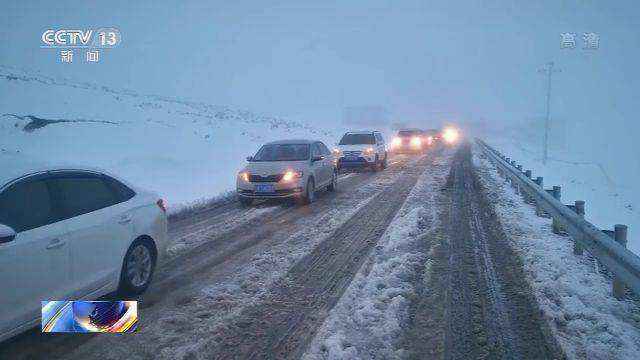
(268, 178)
(352, 153)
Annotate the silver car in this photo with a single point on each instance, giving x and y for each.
(288, 169)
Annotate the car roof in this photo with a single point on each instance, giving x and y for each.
(292, 141)
(18, 172)
(362, 132)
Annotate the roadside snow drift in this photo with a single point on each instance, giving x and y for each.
(574, 297)
(610, 186)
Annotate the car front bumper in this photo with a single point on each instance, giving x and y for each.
(407, 149)
(359, 161)
(278, 194)
(281, 189)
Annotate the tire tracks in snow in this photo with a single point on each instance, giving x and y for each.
(476, 297)
(284, 323)
(216, 259)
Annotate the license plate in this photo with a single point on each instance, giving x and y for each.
(264, 188)
(351, 158)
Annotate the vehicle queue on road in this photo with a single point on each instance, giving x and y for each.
(79, 233)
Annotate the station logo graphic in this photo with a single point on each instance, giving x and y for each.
(89, 42)
(89, 316)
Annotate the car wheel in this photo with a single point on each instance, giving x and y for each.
(137, 267)
(376, 164)
(310, 193)
(385, 163)
(245, 201)
(334, 182)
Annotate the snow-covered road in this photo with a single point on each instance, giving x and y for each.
(423, 260)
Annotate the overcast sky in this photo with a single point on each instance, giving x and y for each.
(423, 60)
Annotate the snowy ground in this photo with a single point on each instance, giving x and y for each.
(184, 150)
(170, 329)
(610, 187)
(575, 299)
(367, 321)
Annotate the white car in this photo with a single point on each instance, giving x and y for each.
(73, 234)
(287, 169)
(362, 149)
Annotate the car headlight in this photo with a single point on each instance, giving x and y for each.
(415, 141)
(450, 135)
(336, 152)
(290, 175)
(244, 175)
(368, 151)
(396, 142)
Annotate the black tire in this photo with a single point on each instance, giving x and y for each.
(310, 193)
(376, 165)
(245, 201)
(129, 284)
(334, 182)
(384, 163)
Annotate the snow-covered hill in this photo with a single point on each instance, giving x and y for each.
(185, 150)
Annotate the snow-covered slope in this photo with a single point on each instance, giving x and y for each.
(185, 150)
(595, 168)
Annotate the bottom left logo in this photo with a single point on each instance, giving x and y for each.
(89, 316)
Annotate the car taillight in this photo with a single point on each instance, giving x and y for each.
(162, 205)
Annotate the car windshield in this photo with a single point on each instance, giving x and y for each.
(356, 139)
(408, 133)
(283, 152)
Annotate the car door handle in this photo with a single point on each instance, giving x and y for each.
(124, 219)
(55, 244)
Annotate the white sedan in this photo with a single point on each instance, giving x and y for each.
(73, 234)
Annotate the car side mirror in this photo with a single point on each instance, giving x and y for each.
(317, 158)
(7, 234)
(249, 158)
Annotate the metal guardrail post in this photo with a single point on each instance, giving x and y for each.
(540, 182)
(580, 210)
(555, 222)
(620, 236)
(606, 246)
(527, 197)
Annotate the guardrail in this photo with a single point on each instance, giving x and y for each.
(608, 247)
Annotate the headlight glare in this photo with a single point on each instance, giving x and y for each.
(290, 175)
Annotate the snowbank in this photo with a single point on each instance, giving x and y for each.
(575, 299)
(610, 187)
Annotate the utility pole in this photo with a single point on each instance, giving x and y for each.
(547, 70)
